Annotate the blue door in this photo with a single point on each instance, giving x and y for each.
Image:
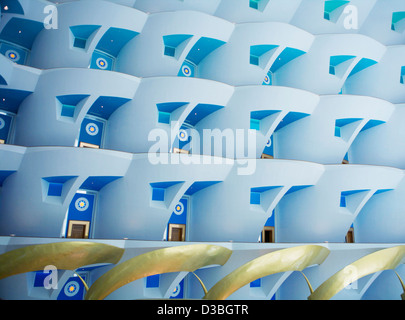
(80, 216)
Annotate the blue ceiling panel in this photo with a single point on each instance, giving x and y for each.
(97, 183)
(201, 111)
(199, 185)
(114, 40)
(103, 107)
(11, 99)
(21, 32)
(202, 48)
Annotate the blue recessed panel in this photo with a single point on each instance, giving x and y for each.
(397, 18)
(254, 124)
(256, 283)
(55, 189)
(254, 4)
(254, 197)
(254, 60)
(337, 132)
(68, 104)
(169, 51)
(342, 201)
(164, 117)
(81, 35)
(172, 42)
(158, 194)
(333, 8)
(39, 278)
(165, 110)
(256, 51)
(257, 116)
(159, 189)
(153, 281)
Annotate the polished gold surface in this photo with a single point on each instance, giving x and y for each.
(82, 280)
(201, 283)
(291, 259)
(385, 259)
(63, 255)
(174, 259)
(402, 284)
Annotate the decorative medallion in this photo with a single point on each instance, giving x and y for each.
(82, 204)
(71, 288)
(102, 63)
(92, 129)
(179, 208)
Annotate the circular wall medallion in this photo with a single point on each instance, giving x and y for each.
(183, 135)
(2, 123)
(92, 129)
(268, 143)
(13, 55)
(102, 63)
(176, 291)
(71, 288)
(186, 71)
(179, 208)
(82, 204)
(267, 79)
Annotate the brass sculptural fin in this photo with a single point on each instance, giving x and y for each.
(290, 259)
(385, 259)
(173, 259)
(68, 255)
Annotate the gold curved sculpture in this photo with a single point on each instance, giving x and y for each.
(291, 259)
(174, 259)
(63, 255)
(385, 259)
(402, 285)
